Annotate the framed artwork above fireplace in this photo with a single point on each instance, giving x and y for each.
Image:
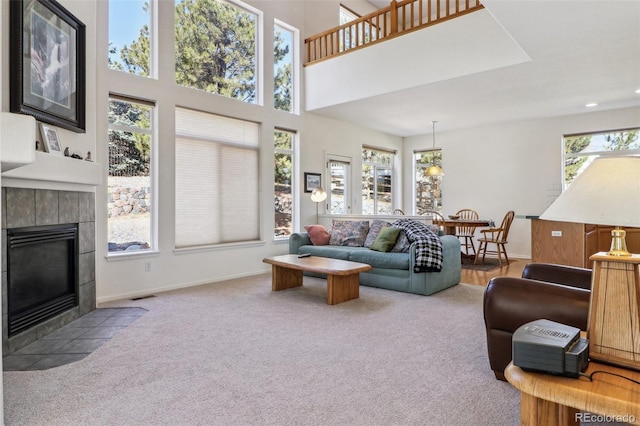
(47, 63)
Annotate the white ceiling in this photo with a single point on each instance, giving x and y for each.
(581, 52)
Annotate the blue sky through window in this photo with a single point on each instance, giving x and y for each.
(126, 17)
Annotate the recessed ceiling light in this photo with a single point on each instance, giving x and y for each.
(638, 91)
(591, 105)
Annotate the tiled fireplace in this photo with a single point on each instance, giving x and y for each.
(33, 209)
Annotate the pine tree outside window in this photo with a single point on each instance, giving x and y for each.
(285, 69)
(428, 195)
(284, 160)
(216, 48)
(131, 24)
(581, 149)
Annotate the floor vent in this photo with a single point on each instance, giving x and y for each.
(143, 297)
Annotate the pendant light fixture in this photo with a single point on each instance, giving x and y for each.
(434, 170)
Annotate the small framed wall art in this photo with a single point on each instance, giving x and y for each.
(50, 139)
(311, 181)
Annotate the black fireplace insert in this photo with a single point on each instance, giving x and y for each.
(42, 274)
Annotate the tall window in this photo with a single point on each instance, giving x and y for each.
(581, 150)
(339, 169)
(284, 142)
(129, 183)
(216, 48)
(217, 179)
(377, 172)
(284, 40)
(428, 195)
(130, 24)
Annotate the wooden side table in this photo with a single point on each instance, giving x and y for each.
(554, 400)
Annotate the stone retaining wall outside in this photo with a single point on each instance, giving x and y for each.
(125, 201)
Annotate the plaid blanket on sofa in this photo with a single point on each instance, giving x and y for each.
(428, 245)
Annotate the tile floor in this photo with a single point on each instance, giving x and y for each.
(74, 341)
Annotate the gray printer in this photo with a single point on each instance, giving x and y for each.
(550, 347)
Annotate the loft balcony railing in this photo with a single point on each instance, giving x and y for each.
(400, 17)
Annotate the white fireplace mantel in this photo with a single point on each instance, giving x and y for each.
(50, 171)
(24, 167)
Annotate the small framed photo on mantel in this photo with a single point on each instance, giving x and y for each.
(51, 140)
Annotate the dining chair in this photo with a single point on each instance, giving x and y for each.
(497, 236)
(467, 233)
(436, 218)
(398, 212)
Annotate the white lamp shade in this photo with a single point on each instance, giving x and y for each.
(607, 192)
(318, 195)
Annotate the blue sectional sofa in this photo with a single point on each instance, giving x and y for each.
(392, 271)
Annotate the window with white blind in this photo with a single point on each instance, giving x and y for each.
(217, 179)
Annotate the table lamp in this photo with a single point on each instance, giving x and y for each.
(607, 192)
(318, 195)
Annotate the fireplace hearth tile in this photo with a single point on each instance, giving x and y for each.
(85, 322)
(41, 346)
(102, 332)
(67, 333)
(19, 363)
(119, 320)
(80, 346)
(74, 341)
(116, 312)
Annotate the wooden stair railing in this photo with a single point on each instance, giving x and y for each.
(400, 17)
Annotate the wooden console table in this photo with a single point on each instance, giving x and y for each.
(554, 400)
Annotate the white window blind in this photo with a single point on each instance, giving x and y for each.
(217, 179)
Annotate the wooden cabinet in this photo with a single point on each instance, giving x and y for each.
(571, 244)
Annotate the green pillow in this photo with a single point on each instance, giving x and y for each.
(386, 239)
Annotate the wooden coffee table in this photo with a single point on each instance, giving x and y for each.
(343, 280)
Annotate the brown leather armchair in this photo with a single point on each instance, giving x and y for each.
(545, 291)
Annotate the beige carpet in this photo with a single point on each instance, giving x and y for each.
(236, 353)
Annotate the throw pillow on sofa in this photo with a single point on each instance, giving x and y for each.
(350, 233)
(403, 243)
(386, 239)
(374, 229)
(318, 235)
